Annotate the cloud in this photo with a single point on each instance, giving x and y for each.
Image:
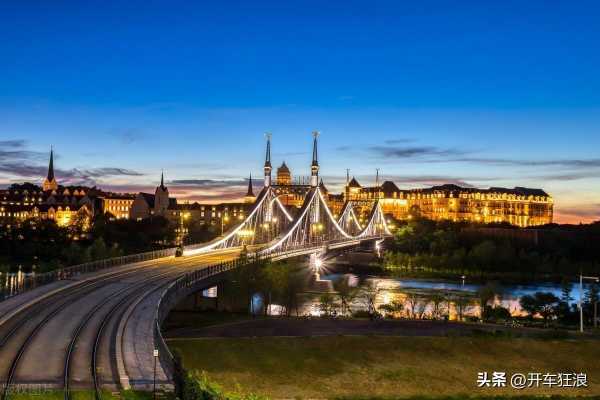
(566, 176)
(108, 171)
(399, 141)
(16, 143)
(414, 151)
(128, 135)
(14, 152)
(577, 213)
(571, 163)
(344, 148)
(212, 183)
(17, 161)
(453, 155)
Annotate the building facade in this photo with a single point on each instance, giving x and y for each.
(519, 206)
(117, 205)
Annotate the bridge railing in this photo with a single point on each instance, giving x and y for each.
(188, 283)
(18, 283)
(178, 289)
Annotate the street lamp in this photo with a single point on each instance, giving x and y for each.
(183, 217)
(581, 278)
(224, 219)
(155, 354)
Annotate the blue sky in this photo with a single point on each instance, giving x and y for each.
(478, 93)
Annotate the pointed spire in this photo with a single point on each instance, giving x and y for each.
(268, 167)
(315, 158)
(250, 192)
(268, 153)
(162, 179)
(50, 181)
(51, 165)
(347, 176)
(314, 167)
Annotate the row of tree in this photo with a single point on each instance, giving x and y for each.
(275, 283)
(423, 246)
(43, 245)
(562, 309)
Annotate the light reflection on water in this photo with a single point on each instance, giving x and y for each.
(396, 289)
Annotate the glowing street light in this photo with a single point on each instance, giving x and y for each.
(581, 278)
(224, 219)
(318, 263)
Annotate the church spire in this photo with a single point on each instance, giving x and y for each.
(250, 192)
(51, 165)
(162, 179)
(314, 167)
(268, 166)
(50, 181)
(250, 197)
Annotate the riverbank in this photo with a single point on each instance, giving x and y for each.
(384, 367)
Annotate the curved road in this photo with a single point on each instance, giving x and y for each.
(56, 342)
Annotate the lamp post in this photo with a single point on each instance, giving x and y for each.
(154, 378)
(184, 216)
(224, 219)
(581, 278)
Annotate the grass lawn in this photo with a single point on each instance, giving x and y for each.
(372, 367)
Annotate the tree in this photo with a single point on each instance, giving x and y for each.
(483, 255)
(327, 304)
(393, 308)
(346, 293)
(546, 304)
(412, 299)
(529, 304)
(436, 300)
(462, 304)
(486, 293)
(563, 309)
(592, 296)
(246, 280)
(368, 295)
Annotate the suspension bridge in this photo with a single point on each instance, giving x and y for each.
(101, 329)
(271, 228)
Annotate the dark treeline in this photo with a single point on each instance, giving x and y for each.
(276, 283)
(45, 245)
(425, 247)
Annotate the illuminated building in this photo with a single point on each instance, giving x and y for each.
(117, 205)
(284, 176)
(518, 206)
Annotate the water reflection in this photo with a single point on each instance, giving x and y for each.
(420, 298)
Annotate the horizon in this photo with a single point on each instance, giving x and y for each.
(477, 95)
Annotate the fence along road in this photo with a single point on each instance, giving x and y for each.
(38, 339)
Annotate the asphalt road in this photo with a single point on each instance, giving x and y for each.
(36, 342)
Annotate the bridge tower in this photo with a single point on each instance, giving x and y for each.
(268, 167)
(314, 167)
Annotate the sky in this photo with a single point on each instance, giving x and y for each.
(480, 94)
